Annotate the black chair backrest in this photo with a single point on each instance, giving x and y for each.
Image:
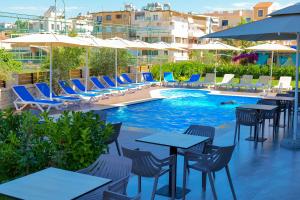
(143, 162)
(115, 134)
(221, 158)
(248, 117)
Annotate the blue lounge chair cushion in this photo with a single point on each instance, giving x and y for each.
(45, 90)
(127, 78)
(81, 87)
(25, 96)
(122, 83)
(66, 87)
(111, 83)
(148, 77)
(194, 78)
(168, 77)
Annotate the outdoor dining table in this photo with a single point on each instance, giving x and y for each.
(52, 183)
(173, 141)
(259, 108)
(279, 99)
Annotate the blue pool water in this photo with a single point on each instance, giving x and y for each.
(180, 109)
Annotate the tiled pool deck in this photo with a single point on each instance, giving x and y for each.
(265, 171)
(261, 172)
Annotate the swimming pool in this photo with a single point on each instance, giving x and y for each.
(180, 109)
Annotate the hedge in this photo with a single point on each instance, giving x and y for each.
(183, 70)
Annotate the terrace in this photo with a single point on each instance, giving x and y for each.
(175, 132)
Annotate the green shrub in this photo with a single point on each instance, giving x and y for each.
(72, 142)
(183, 70)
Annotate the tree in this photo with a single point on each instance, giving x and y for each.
(8, 65)
(103, 60)
(64, 60)
(22, 26)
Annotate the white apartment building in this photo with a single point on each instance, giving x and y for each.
(159, 23)
(56, 22)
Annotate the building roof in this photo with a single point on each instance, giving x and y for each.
(263, 5)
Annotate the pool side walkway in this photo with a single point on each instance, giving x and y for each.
(259, 172)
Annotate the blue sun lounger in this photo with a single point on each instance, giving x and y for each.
(81, 87)
(98, 85)
(129, 86)
(193, 79)
(44, 90)
(129, 81)
(169, 78)
(83, 95)
(25, 98)
(148, 77)
(111, 84)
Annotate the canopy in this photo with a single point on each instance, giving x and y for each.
(269, 47)
(167, 46)
(47, 39)
(281, 25)
(217, 46)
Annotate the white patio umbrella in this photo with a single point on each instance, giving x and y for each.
(50, 40)
(119, 43)
(271, 47)
(133, 45)
(215, 46)
(97, 43)
(281, 25)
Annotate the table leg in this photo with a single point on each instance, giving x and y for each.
(167, 190)
(173, 151)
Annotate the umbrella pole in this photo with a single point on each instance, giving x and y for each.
(296, 89)
(116, 67)
(271, 70)
(137, 66)
(86, 69)
(51, 63)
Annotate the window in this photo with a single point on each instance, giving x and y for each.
(52, 26)
(155, 17)
(224, 22)
(99, 19)
(118, 16)
(108, 17)
(248, 19)
(139, 16)
(178, 40)
(260, 13)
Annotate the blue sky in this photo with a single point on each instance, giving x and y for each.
(73, 7)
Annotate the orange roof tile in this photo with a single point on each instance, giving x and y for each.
(263, 4)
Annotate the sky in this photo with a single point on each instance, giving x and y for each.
(73, 7)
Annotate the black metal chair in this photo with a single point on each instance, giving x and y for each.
(215, 161)
(284, 107)
(116, 168)
(114, 137)
(110, 194)
(246, 117)
(145, 164)
(199, 130)
(269, 115)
